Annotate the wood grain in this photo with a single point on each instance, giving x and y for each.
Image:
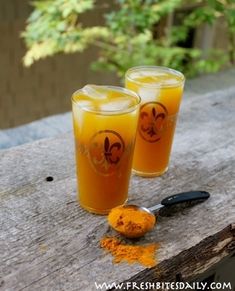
(47, 242)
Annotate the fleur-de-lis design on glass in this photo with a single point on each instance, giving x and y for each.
(152, 128)
(108, 151)
(105, 151)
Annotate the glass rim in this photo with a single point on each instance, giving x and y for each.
(157, 68)
(109, 112)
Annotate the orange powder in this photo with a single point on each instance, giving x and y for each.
(144, 255)
(130, 221)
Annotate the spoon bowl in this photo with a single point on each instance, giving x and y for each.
(131, 221)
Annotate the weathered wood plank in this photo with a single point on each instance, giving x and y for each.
(190, 263)
(47, 242)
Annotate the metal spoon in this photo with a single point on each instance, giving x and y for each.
(167, 203)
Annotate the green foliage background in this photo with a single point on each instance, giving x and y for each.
(129, 36)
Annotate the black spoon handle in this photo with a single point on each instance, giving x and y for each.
(185, 197)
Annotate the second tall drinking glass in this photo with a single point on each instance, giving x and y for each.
(161, 91)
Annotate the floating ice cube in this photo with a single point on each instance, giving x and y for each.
(86, 104)
(171, 81)
(95, 92)
(77, 114)
(152, 75)
(117, 104)
(148, 94)
(140, 74)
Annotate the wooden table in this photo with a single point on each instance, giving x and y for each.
(47, 242)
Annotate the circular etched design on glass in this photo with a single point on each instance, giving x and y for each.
(105, 151)
(152, 122)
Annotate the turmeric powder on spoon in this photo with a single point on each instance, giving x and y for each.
(131, 221)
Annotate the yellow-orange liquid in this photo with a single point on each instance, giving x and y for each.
(158, 115)
(104, 150)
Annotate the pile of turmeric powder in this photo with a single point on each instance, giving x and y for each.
(131, 221)
(142, 254)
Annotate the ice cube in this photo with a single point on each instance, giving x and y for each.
(117, 104)
(140, 74)
(171, 81)
(77, 115)
(148, 94)
(95, 92)
(80, 110)
(150, 74)
(85, 104)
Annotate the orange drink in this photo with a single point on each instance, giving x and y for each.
(161, 91)
(105, 121)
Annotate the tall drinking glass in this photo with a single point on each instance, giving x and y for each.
(105, 120)
(161, 91)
